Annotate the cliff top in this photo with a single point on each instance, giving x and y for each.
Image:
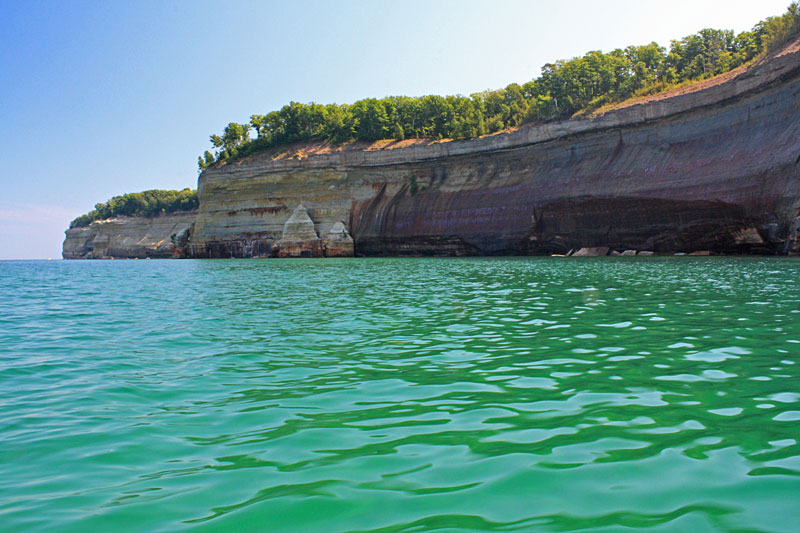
(588, 86)
(696, 86)
(736, 83)
(149, 203)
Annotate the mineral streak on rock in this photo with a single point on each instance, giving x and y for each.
(712, 169)
(299, 238)
(130, 237)
(338, 242)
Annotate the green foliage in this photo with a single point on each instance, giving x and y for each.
(777, 30)
(142, 204)
(398, 134)
(206, 160)
(564, 88)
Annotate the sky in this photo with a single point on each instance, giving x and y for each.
(103, 98)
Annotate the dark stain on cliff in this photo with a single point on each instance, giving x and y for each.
(617, 151)
(261, 211)
(365, 213)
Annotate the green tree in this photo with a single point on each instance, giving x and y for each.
(397, 132)
(145, 204)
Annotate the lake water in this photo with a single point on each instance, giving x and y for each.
(533, 394)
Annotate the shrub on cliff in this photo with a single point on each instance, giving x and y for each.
(778, 30)
(142, 204)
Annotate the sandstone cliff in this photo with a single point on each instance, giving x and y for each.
(130, 237)
(713, 168)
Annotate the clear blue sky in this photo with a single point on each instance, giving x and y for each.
(102, 98)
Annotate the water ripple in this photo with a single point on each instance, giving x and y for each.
(401, 394)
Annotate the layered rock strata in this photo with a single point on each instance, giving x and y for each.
(130, 237)
(711, 169)
(299, 238)
(338, 242)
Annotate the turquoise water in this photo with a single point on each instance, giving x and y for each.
(533, 394)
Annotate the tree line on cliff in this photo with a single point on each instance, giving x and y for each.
(565, 88)
(141, 204)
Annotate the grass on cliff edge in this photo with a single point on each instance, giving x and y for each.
(140, 204)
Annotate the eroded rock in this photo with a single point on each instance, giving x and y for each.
(748, 236)
(299, 238)
(338, 242)
(597, 251)
(792, 245)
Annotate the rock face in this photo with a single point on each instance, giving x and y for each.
(792, 244)
(338, 242)
(717, 168)
(598, 251)
(299, 238)
(130, 237)
(712, 167)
